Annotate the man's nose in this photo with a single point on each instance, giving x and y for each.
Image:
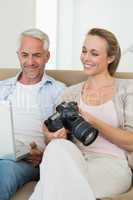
(30, 60)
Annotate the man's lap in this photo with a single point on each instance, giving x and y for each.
(14, 175)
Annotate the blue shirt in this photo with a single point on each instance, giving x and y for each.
(49, 92)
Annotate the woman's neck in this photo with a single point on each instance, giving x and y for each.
(100, 81)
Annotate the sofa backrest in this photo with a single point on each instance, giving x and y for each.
(69, 77)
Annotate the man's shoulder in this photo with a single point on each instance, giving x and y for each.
(55, 83)
(7, 81)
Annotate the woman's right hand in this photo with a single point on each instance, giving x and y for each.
(61, 133)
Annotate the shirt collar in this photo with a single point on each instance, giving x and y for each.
(44, 81)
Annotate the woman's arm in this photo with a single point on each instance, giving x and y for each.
(122, 138)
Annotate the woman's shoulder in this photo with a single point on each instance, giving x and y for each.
(72, 92)
(125, 85)
(74, 89)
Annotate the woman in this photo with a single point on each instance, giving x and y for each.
(74, 171)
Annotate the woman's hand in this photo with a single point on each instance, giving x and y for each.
(61, 133)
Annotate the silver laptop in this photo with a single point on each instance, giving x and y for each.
(9, 147)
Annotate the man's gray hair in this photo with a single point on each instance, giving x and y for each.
(36, 33)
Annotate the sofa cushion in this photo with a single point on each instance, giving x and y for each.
(24, 192)
(130, 159)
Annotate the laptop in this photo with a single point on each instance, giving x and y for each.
(9, 147)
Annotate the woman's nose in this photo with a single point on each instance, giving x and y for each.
(87, 57)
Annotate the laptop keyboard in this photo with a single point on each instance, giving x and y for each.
(21, 149)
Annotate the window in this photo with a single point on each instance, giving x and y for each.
(67, 21)
(46, 20)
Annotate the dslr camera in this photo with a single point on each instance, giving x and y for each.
(67, 116)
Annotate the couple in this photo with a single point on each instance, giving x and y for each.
(71, 170)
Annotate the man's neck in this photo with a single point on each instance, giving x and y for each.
(28, 81)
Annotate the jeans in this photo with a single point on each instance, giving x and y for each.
(13, 175)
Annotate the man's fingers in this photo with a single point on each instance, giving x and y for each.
(33, 145)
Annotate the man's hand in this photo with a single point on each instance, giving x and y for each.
(35, 155)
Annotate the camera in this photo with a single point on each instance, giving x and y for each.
(67, 115)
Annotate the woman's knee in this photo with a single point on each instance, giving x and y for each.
(60, 148)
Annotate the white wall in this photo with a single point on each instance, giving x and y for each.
(78, 16)
(15, 17)
(46, 20)
(66, 26)
(65, 33)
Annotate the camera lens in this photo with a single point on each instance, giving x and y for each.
(83, 131)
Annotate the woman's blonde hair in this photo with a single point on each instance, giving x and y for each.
(113, 47)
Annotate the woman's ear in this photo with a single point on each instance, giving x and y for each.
(111, 59)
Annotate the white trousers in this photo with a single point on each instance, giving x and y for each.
(66, 175)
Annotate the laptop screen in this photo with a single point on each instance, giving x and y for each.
(7, 142)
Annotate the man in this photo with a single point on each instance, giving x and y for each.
(33, 95)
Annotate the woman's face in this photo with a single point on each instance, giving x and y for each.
(94, 55)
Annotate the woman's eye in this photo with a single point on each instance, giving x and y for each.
(84, 51)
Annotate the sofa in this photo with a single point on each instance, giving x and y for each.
(69, 77)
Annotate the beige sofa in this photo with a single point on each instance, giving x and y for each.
(69, 77)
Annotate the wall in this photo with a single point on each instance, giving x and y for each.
(71, 20)
(46, 20)
(78, 16)
(15, 16)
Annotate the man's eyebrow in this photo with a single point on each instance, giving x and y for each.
(23, 52)
(37, 53)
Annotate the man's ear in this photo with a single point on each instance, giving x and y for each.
(111, 59)
(48, 55)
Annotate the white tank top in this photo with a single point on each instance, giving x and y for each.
(108, 114)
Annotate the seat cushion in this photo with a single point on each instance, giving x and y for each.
(24, 192)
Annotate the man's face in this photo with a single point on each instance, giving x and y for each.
(33, 58)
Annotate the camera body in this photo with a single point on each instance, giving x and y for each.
(67, 115)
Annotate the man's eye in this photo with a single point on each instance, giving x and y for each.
(24, 55)
(38, 55)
